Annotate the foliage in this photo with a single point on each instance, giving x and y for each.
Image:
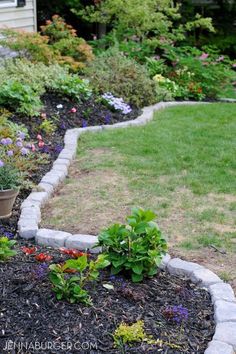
(10, 177)
(6, 246)
(71, 288)
(125, 333)
(47, 126)
(19, 95)
(71, 85)
(72, 50)
(136, 248)
(123, 77)
(30, 45)
(57, 29)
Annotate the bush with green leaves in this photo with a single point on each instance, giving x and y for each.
(6, 250)
(71, 287)
(123, 77)
(22, 96)
(10, 177)
(136, 248)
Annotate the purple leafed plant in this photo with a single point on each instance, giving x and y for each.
(177, 314)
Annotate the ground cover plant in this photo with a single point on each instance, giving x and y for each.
(181, 165)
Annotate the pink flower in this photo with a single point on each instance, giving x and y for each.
(73, 110)
(234, 65)
(41, 144)
(204, 56)
(39, 137)
(43, 115)
(221, 58)
(33, 147)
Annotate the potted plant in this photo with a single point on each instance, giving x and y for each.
(10, 181)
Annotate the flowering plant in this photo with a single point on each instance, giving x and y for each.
(43, 257)
(116, 103)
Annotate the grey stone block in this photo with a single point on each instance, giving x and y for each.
(226, 332)
(221, 291)
(32, 213)
(225, 311)
(67, 154)
(29, 203)
(178, 267)
(28, 232)
(205, 277)
(83, 242)
(51, 178)
(217, 347)
(51, 238)
(61, 172)
(45, 187)
(64, 162)
(165, 260)
(91, 129)
(38, 197)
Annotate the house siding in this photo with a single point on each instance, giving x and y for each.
(19, 17)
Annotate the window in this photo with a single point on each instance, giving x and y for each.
(8, 3)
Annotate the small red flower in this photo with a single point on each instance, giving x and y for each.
(72, 252)
(43, 257)
(73, 110)
(28, 250)
(33, 147)
(41, 144)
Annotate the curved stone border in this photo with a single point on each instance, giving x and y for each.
(222, 295)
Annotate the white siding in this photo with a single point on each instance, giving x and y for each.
(19, 17)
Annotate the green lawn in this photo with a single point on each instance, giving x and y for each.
(182, 165)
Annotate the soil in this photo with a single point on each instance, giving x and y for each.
(88, 113)
(30, 312)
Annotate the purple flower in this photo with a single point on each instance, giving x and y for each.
(108, 118)
(45, 149)
(1, 163)
(24, 151)
(40, 271)
(63, 126)
(19, 143)
(8, 141)
(10, 153)
(4, 141)
(84, 123)
(58, 148)
(21, 135)
(177, 313)
(117, 103)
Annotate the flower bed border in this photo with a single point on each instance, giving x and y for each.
(223, 299)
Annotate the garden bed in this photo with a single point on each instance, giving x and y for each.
(30, 312)
(66, 114)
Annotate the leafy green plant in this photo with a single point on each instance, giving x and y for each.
(71, 288)
(6, 246)
(123, 77)
(136, 248)
(128, 334)
(10, 177)
(47, 126)
(72, 86)
(16, 94)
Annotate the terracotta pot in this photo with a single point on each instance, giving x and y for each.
(7, 200)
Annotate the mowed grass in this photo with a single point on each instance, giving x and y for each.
(182, 165)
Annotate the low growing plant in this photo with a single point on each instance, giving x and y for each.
(6, 250)
(71, 288)
(10, 177)
(136, 248)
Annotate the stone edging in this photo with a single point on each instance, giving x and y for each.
(223, 299)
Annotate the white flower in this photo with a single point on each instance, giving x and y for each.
(59, 106)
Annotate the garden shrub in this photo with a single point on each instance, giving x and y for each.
(30, 45)
(123, 77)
(72, 50)
(136, 248)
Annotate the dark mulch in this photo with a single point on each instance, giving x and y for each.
(30, 313)
(88, 113)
